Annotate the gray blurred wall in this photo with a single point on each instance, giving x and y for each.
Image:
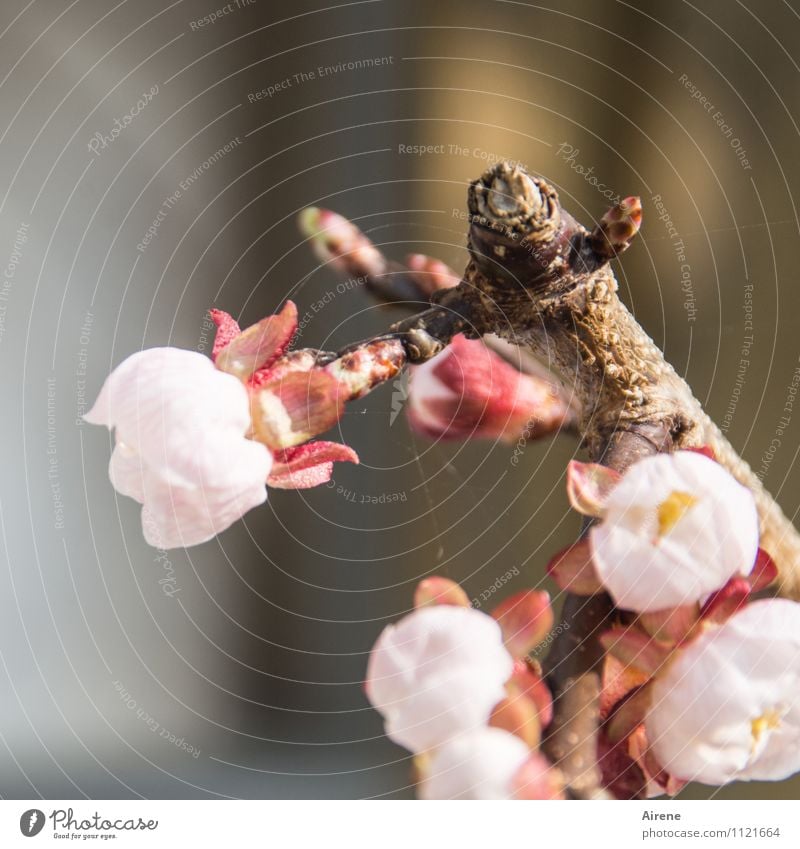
(234, 668)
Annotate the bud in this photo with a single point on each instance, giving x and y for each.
(181, 448)
(437, 590)
(616, 228)
(337, 241)
(430, 275)
(468, 391)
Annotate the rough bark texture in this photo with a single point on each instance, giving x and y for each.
(543, 284)
(540, 280)
(574, 664)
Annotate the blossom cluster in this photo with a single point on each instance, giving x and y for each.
(198, 440)
(454, 687)
(701, 681)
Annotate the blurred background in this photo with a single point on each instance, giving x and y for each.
(234, 669)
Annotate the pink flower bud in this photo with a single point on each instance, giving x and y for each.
(431, 274)
(336, 240)
(468, 391)
(437, 590)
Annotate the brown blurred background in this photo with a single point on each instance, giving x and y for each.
(234, 669)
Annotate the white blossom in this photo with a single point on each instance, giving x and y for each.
(728, 707)
(180, 449)
(479, 765)
(674, 530)
(436, 673)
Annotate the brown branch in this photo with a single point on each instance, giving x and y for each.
(574, 663)
(540, 280)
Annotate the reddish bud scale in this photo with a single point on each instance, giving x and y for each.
(616, 229)
(525, 681)
(572, 569)
(292, 398)
(518, 715)
(588, 486)
(525, 619)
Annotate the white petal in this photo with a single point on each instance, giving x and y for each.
(716, 538)
(438, 672)
(700, 724)
(181, 448)
(475, 766)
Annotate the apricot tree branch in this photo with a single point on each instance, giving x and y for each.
(540, 280)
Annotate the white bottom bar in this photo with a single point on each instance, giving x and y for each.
(401, 825)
